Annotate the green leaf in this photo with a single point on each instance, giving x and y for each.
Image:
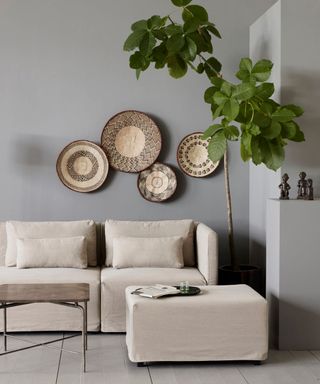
(289, 130)
(139, 25)
(264, 91)
(256, 153)
(243, 75)
(134, 40)
(299, 136)
(147, 44)
(245, 113)
(272, 131)
(173, 29)
(298, 111)
(137, 61)
(208, 95)
(192, 48)
(160, 34)
(226, 88)
(217, 82)
(283, 115)
(217, 146)
(261, 120)
(159, 55)
(200, 68)
(214, 65)
(246, 64)
(155, 22)
(216, 110)
(214, 31)
(262, 70)
(138, 73)
(177, 67)
(191, 25)
(231, 109)
(180, 3)
(272, 153)
(195, 11)
(220, 98)
(175, 43)
(244, 91)
(212, 130)
(254, 130)
(245, 146)
(231, 132)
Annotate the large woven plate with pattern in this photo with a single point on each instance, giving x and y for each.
(157, 183)
(82, 166)
(132, 141)
(192, 156)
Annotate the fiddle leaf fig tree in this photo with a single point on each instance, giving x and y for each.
(242, 112)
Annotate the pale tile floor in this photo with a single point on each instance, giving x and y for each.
(108, 363)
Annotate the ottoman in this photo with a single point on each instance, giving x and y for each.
(221, 323)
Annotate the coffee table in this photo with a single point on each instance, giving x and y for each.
(69, 295)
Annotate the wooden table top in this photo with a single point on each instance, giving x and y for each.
(41, 293)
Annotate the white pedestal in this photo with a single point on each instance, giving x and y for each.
(293, 273)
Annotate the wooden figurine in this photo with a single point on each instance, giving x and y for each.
(309, 189)
(284, 187)
(302, 186)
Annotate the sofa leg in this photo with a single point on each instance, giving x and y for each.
(142, 364)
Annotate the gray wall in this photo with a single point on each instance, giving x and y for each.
(63, 75)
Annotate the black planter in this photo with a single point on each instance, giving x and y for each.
(246, 274)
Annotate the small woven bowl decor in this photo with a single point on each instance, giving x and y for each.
(192, 156)
(82, 166)
(157, 183)
(132, 141)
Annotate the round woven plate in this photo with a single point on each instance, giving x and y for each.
(192, 156)
(132, 141)
(157, 183)
(82, 166)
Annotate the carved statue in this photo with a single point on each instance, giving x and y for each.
(302, 186)
(284, 187)
(309, 189)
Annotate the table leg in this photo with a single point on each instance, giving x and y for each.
(5, 328)
(83, 338)
(86, 324)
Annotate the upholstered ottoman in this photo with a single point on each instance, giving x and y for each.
(221, 323)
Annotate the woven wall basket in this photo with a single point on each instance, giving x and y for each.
(82, 166)
(192, 156)
(157, 183)
(132, 141)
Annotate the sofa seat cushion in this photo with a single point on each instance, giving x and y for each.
(114, 282)
(51, 317)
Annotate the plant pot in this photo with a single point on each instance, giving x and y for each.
(246, 274)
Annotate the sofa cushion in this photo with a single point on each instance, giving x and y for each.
(3, 243)
(183, 228)
(67, 252)
(161, 252)
(50, 229)
(50, 317)
(114, 282)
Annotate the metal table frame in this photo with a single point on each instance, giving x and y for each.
(84, 332)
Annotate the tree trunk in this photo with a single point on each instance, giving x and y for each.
(234, 263)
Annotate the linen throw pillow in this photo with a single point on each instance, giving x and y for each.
(51, 229)
(67, 252)
(162, 228)
(162, 252)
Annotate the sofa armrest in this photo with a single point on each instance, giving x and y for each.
(207, 253)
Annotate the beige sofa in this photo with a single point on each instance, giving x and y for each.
(106, 308)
